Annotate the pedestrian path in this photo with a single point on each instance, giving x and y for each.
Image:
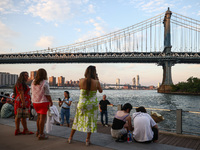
(104, 141)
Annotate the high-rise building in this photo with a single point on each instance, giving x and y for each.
(117, 83)
(7, 79)
(52, 81)
(134, 83)
(33, 74)
(61, 81)
(138, 81)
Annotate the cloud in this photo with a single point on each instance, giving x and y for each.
(78, 29)
(51, 10)
(91, 9)
(6, 35)
(98, 29)
(54, 10)
(7, 6)
(198, 13)
(150, 6)
(45, 42)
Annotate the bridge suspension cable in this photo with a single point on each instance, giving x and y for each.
(130, 39)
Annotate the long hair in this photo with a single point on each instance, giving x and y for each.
(90, 74)
(21, 80)
(40, 76)
(67, 94)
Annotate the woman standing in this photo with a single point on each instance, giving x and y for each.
(22, 100)
(87, 109)
(65, 108)
(41, 100)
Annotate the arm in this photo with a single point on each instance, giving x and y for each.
(60, 103)
(99, 87)
(100, 108)
(22, 98)
(130, 127)
(49, 99)
(68, 103)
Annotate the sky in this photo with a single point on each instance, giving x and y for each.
(28, 25)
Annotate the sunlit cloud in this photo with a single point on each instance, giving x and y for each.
(45, 41)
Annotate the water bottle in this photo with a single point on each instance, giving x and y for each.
(129, 137)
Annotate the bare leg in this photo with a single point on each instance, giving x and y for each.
(41, 123)
(17, 123)
(87, 142)
(38, 120)
(88, 136)
(72, 134)
(24, 124)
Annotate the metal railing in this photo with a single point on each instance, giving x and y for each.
(178, 119)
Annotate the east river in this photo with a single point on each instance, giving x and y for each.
(148, 99)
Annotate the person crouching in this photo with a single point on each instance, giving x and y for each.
(122, 123)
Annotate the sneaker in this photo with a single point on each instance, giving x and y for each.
(103, 124)
(107, 125)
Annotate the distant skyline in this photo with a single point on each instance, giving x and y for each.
(28, 25)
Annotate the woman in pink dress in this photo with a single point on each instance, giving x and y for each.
(41, 101)
(22, 100)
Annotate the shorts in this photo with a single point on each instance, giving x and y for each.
(41, 108)
(118, 133)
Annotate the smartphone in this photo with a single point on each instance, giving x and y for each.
(59, 99)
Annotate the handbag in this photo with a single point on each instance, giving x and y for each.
(23, 113)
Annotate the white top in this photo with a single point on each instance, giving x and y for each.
(143, 124)
(39, 92)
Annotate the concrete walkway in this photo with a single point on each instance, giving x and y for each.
(58, 140)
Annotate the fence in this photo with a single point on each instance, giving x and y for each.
(178, 121)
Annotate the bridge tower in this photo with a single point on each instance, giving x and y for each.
(166, 64)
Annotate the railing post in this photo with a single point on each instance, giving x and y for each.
(179, 121)
(119, 107)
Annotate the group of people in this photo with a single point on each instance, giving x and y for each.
(6, 105)
(41, 100)
(85, 120)
(144, 128)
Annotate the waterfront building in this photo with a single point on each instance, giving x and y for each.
(7, 79)
(137, 80)
(117, 83)
(52, 81)
(134, 83)
(33, 74)
(61, 81)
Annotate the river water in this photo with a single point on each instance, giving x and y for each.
(148, 99)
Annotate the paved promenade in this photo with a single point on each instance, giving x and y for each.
(58, 140)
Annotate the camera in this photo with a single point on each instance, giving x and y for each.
(59, 99)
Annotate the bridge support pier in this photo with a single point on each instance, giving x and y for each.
(167, 77)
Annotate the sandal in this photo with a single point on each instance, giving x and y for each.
(69, 140)
(42, 137)
(87, 143)
(17, 132)
(37, 133)
(27, 132)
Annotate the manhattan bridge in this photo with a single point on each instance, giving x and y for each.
(166, 39)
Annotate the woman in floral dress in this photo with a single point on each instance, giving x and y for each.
(87, 109)
(22, 100)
